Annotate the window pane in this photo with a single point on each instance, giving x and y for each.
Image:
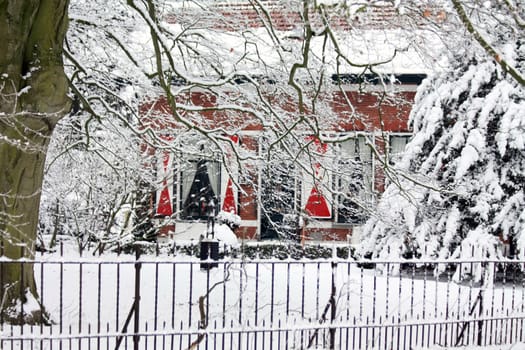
(200, 186)
(397, 147)
(354, 180)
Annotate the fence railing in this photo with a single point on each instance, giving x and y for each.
(169, 302)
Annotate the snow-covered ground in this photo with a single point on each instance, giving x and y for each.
(263, 304)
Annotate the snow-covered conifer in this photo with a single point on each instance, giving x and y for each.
(459, 189)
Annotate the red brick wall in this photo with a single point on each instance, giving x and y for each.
(248, 203)
(246, 232)
(372, 114)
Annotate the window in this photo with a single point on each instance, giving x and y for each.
(279, 191)
(397, 144)
(279, 201)
(200, 186)
(353, 180)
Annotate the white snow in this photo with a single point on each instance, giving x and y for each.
(226, 236)
(470, 153)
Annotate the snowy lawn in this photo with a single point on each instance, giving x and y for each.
(263, 304)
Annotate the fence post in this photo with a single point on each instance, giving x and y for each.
(480, 312)
(2, 289)
(136, 337)
(480, 322)
(333, 307)
(22, 289)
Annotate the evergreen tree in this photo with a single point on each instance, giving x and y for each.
(459, 189)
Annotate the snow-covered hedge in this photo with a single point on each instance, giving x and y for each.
(253, 250)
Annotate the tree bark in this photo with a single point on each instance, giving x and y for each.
(33, 98)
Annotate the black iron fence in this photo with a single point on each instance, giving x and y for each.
(169, 302)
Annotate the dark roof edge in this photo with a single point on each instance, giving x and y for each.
(405, 79)
(374, 79)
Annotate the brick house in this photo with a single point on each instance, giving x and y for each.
(283, 201)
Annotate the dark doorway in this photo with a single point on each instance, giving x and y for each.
(279, 203)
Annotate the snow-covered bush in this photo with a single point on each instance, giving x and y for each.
(225, 227)
(232, 220)
(459, 189)
(248, 250)
(226, 237)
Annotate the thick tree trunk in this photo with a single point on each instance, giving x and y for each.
(33, 97)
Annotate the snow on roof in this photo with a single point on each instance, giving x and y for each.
(379, 35)
(285, 15)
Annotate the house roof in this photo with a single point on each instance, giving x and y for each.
(264, 38)
(236, 14)
(232, 38)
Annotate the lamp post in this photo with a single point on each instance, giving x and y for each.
(209, 247)
(210, 227)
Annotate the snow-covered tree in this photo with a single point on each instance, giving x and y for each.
(99, 144)
(38, 86)
(490, 23)
(460, 188)
(96, 200)
(33, 98)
